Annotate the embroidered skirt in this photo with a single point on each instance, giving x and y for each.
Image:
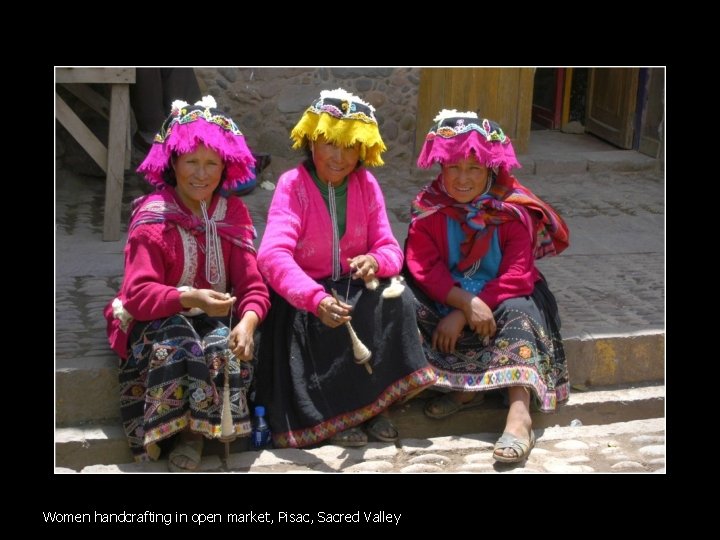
(526, 350)
(174, 377)
(306, 375)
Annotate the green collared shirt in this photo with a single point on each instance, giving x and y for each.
(340, 197)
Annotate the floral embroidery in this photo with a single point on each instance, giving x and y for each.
(163, 408)
(525, 352)
(199, 395)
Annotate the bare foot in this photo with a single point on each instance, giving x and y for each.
(519, 422)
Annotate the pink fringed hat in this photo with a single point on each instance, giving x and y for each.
(186, 127)
(456, 135)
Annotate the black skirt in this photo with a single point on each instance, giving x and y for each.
(306, 375)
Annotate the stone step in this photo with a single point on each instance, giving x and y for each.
(87, 388)
(105, 445)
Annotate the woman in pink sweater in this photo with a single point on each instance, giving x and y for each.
(327, 229)
(486, 314)
(192, 295)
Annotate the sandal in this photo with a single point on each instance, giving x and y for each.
(380, 426)
(191, 451)
(445, 405)
(522, 447)
(353, 436)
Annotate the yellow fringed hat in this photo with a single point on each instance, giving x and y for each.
(343, 119)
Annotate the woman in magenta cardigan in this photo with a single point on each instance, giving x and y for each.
(328, 229)
(189, 263)
(487, 316)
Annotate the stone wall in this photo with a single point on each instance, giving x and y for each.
(268, 102)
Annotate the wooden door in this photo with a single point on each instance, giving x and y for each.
(500, 94)
(612, 95)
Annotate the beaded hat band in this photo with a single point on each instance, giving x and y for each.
(190, 125)
(342, 119)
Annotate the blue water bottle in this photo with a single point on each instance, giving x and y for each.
(261, 431)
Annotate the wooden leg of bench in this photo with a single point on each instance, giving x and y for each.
(117, 141)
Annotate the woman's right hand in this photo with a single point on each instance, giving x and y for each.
(333, 313)
(215, 304)
(448, 331)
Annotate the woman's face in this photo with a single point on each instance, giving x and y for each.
(198, 174)
(465, 180)
(333, 163)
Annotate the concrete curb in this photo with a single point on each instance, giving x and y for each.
(593, 360)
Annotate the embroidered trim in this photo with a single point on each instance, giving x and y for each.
(190, 250)
(421, 378)
(190, 258)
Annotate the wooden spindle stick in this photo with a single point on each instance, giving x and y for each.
(227, 428)
(361, 353)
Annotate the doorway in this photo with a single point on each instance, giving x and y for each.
(559, 97)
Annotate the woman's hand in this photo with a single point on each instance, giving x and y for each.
(215, 304)
(240, 340)
(333, 313)
(448, 331)
(365, 267)
(480, 318)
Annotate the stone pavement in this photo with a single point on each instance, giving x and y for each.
(630, 447)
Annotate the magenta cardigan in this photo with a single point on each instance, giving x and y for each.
(296, 248)
(427, 260)
(154, 263)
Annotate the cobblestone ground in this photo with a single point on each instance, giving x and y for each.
(625, 447)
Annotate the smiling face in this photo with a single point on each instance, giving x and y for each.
(333, 163)
(198, 174)
(465, 180)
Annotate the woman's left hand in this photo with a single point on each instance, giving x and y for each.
(241, 341)
(365, 267)
(480, 318)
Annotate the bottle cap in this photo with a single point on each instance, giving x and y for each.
(259, 410)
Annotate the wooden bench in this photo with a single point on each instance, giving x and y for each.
(114, 158)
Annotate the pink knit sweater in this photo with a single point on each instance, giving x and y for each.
(296, 248)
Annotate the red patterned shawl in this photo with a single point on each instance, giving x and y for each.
(507, 200)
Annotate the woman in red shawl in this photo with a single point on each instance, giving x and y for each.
(486, 314)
